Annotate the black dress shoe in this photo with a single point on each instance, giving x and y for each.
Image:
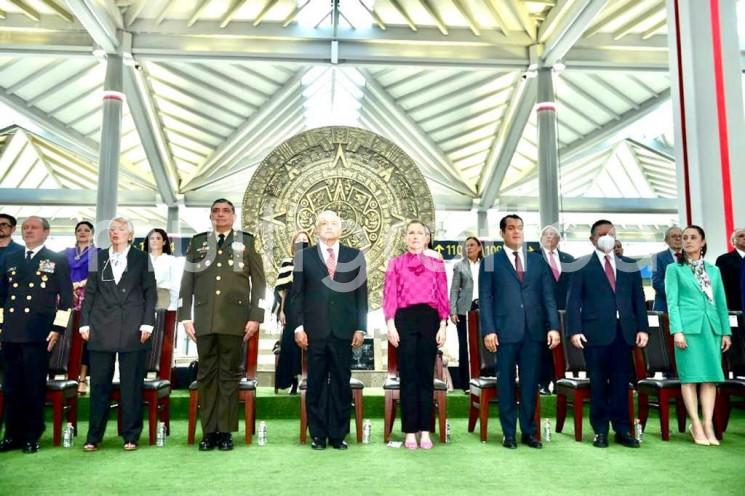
(627, 440)
(543, 391)
(531, 441)
(318, 443)
(339, 445)
(509, 442)
(10, 444)
(208, 443)
(30, 447)
(226, 442)
(601, 441)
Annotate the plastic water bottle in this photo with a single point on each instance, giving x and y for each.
(160, 438)
(638, 432)
(67, 436)
(262, 433)
(546, 430)
(366, 431)
(448, 431)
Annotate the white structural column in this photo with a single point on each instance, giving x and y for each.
(172, 223)
(108, 169)
(548, 148)
(708, 112)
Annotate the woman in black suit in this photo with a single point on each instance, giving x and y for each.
(118, 315)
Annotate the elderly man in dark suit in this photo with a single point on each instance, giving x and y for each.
(518, 319)
(660, 261)
(117, 319)
(224, 284)
(35, 298)
(557, 261)
(731, 266)
(329, 304)
(607, 317)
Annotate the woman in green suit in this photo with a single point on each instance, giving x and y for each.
(699, 323)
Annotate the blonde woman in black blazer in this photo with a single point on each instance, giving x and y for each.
(117, 317)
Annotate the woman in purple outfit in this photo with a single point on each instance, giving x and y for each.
(79, 257)
(416, 308)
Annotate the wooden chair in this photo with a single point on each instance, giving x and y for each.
(483, 388)
(572, 383)
(156, 393)
(357, 402)
(62, 393)
(246, 392)
(734, 369)
(657, 375)
(392, 391)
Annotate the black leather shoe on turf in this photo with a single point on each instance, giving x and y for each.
(532, 442)
(226, 442)
(318, 444)
(601, 441)
(509, 442)
(31, 447)
(208, 442)
(10, 444)
(339, 445)
(627, 440)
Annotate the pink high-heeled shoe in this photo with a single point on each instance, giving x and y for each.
(425, 444)
(410, 444)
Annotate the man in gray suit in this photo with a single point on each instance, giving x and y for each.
(660, 261)
(464, 294)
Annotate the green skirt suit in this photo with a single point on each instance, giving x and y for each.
(702, 321)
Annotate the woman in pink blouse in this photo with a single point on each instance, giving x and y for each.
(416, 308)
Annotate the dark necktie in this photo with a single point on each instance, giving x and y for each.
(220, 240)
(29, 254)
(519, 267)
(610, 274)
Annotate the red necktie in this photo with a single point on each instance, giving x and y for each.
(331, 263)
(519, 267)
(610, 274)
(552, 264)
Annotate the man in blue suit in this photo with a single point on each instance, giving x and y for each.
(660, 261)
(606, 317)
(518, 317)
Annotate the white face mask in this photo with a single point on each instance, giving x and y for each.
(606, 243)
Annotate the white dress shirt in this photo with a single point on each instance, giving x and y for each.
(34, 251)
(555, 257)
(740, 252)
(323, 248)
(167, 276)
(511, 257)
(601, 256)
(475, 276)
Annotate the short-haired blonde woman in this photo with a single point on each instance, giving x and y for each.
(117, 319)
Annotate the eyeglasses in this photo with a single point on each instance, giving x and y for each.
(5, 224)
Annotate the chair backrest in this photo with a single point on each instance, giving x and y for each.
(251, 356)
(160, 357)
(573, 358)
(735, 356)
(482, 361)
(657, 354)
(59, 358)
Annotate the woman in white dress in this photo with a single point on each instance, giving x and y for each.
(167, 274)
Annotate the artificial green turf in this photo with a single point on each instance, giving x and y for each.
(463, 467)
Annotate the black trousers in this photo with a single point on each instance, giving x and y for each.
(526, 356)
(218, 379)
(547, 367)
(417, 327)
(131, 377)
(25, 386)
(464, 375)
(609, 368)
(329, 396)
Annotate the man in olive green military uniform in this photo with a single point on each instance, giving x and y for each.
(224, 283)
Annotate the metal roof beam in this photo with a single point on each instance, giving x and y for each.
(595, 205)
(232, 147)
(150, 130)
(101, 23)
(72, 197)
(374, 90)
(613, 132)
(655, 146)
(569, 29)
(506, 141)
